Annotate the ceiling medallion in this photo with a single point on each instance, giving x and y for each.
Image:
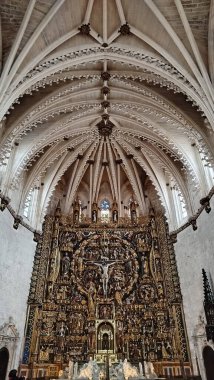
(105, 75)
(105, 104)
(105, 90)
(85, 29)
(105, 126)
(125, 29)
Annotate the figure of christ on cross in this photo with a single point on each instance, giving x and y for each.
(104, 265)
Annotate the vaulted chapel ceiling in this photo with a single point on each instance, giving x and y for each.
(106, 99)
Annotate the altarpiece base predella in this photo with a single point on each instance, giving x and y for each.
(105, 289)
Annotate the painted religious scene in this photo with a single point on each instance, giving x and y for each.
(105, 301)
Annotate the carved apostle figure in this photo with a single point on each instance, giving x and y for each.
(91, 299)
(65, 264)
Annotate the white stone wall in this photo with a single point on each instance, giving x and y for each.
(17, 251)
(194, 251)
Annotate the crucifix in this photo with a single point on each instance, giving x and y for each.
(104, 265)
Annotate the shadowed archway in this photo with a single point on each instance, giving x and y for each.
(208, 355)
(4, 358)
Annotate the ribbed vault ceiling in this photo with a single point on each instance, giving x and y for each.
(144, 67)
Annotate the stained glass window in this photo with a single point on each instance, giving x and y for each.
(105, 212)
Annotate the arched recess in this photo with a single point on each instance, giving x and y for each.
(208, 356)
(9, 338)
(4, 359)
(105, 337)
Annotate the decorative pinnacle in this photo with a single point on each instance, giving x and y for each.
(208, 294)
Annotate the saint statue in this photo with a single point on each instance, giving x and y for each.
(62, 330)
(70, 369)
(140, 368)
(91, 305)
(133, 216)
(75, 370)
(65, 264)
(118, 295)
(76, 217)
(129, 370)
(115, 216)
(94, 216)
(149, 370)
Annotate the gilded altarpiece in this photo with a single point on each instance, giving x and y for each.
(100, 289)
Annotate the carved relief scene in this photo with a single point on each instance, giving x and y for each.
(108, 292)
